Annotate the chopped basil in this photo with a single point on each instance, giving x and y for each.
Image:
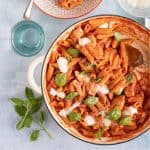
(125, 121)
(118, 36)
(90, 101)
(114, 114)
(71, 95)
(74, 116)
(60, 79)
(73, 52)
(98, 134)
(129, 77)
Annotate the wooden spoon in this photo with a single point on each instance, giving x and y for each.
(138, 55)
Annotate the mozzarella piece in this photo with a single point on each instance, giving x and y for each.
(76, 104)
(61, 94)
(102, 89)
(62, 64)
(107, 122)
(130, 111)
(53, 92)
(89, 120)
(65, 112)
(104, 26)
(84, 41)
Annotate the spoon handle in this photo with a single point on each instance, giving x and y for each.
(27, 13)
(147, 22)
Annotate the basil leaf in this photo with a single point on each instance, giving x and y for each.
(74, 116)
(73, 52)
(90, 101)
(42, 117)
(19, 125)
(129, 77)
(98, 134)
(71, 95)
(36, 104)
(29, 93)
(17, 101)
(125, 121)
(118, 36)
(20, 110)
(34, 135)
(28, 121)
(60, 79)
(114, 114)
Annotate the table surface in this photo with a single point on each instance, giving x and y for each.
(13, 79)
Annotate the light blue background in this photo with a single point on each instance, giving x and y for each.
(13, 79)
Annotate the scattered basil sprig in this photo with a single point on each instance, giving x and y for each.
(25, 109)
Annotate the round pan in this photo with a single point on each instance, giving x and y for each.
(142, 34)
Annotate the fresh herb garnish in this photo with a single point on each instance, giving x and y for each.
(98, 134)
(129, 77)
(71, 95)
(26, 110)
(90, 101)
(97, 79)
(73, 52)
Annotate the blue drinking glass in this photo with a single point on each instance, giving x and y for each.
(27, 38)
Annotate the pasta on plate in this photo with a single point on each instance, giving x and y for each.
(69, 4)
(91, 86)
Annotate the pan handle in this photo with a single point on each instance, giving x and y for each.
(31, 71)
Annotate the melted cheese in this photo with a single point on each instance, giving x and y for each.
(62, 64)
(89, 120)
(53, 92)
(65, 112)
(104, 26)
(107, 122)
(130, 111)
(84, 41)
(102, 89)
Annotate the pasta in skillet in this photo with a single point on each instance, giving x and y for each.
(91, 85)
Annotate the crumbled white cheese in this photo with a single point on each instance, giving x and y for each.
(65, 112)
(61, 94)
(89, 120)
(84, 41)
(107, 122)
(104, 26)
(62, 64)
(130, 111)
(102, 89)
(53, 92)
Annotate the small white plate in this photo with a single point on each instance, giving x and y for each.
(51, 8)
